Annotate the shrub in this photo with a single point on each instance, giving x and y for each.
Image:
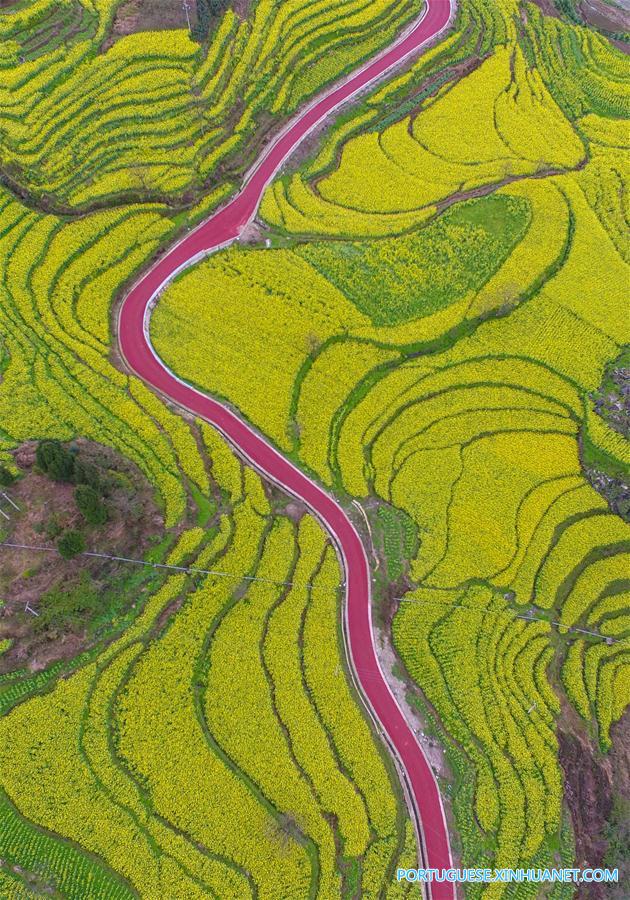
(55, 460)
(62, 606)
(71, 544)
(53, 527)
(6, 476)
(90, 505)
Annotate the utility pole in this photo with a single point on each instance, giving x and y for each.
(185, 5)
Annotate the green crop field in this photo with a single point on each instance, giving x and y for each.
(427, 317)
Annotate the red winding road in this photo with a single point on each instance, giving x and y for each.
(217, 231)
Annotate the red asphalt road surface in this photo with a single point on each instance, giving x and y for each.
(222, 227)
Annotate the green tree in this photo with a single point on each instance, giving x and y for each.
(207, 12)
(55, 460)
(53, 527)
(70, 544)
(6, 476)
(90, 505)
(87, 473)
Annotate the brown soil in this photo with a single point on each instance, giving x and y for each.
(160, 15)
(605, 15)
(620, 45)
(390, 601)
(485, 189)
(295, 510)
(47, 507)
(242, 8)
(253, 234)
(592, 783)
(547, 8)
(620, 826)
(281, 502)
(149, 15)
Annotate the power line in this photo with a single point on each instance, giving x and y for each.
(573, 629)
(195, 570)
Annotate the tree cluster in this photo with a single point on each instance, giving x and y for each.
(208, 11)
(66, 465)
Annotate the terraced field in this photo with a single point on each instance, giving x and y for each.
(419, 319)
(248, 694)
(157, 117)
(319, 811)
(441, 360)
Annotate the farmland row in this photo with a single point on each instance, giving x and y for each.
(157, 116)
(447, 373)
(58, 380)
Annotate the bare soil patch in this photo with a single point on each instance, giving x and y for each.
(597, 788)
(149, 15)
(606, 16)
(548, 8)
(242, 8)
(47, 509)
(253, 234)
(160, 15)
